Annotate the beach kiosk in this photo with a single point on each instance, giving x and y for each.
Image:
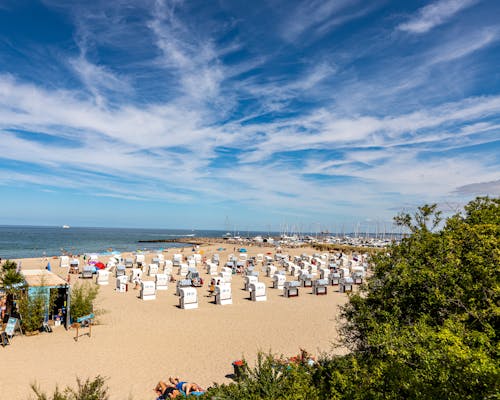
(47, 283)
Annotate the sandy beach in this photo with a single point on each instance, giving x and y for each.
(137, 343)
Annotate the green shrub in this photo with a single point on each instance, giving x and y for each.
(94, 389)
(32, 310)
(82, 300)
(271, 378)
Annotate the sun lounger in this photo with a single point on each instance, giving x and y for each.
(334, 278)
(183, 283)
(249, 280)
(121, 284)
(183, 269)
(152, 269)
(136, 274)
(120, 270)
(102, 277)
(279, 281)
(223, 295)
(161, 281)
(345, 285)
(258, 291)
(148, 290)
(64, 262)
(139, 259)
(270, 270)
(88, 272)
(188, 298)
(320, 286)
(291, 289)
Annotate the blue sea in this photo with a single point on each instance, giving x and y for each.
(39, 241)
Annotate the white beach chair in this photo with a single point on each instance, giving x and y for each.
(211, 268)
(167, 269)
(148, 290)
(120, 270)
(121, 284)
(197, 259)
(249, 280)
(188, 298)
(139, 259)
(183, 269)
(182, 283)
(320, 287)
(87, 272)
(345, 285)
(223, 295)
(323, 273)
(102, 277)
(295, 270)
(334, 278)
(306, 280)
(135, 275)
(258, 291)
(270, 270)
(291, 289)
(64, 262)
(177, 259)
(161, 281)
(344, 272)
(279, 281)
(153, 269)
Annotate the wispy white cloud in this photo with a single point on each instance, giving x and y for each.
(260, 130)
(434, 14)
(321, 16)
(463, 47)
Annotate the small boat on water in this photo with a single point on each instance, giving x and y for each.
(65, 226)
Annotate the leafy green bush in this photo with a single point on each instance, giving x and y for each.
(271, 378)
(94, 389)
(32, 310)
(424, 326)
(82, 299)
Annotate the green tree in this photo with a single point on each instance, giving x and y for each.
(426, 324)
(9, 276)
(82, 299)
(32, 310)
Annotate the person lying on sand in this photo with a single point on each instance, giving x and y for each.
(177, 388)
(189, 388)
(166, 391)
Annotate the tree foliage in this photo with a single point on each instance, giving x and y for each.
(9, 275)
(82, 299)
(424, 326)
(32, 310)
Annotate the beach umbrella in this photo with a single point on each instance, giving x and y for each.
(100, 265)
(48, 267)
(242, 250)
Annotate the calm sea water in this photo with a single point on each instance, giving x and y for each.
(37, 241)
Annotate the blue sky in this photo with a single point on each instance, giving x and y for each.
(178, 114)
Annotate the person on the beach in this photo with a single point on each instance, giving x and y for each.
(188, 388)
(166, 391)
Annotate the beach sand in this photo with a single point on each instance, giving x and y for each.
(137, 343)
